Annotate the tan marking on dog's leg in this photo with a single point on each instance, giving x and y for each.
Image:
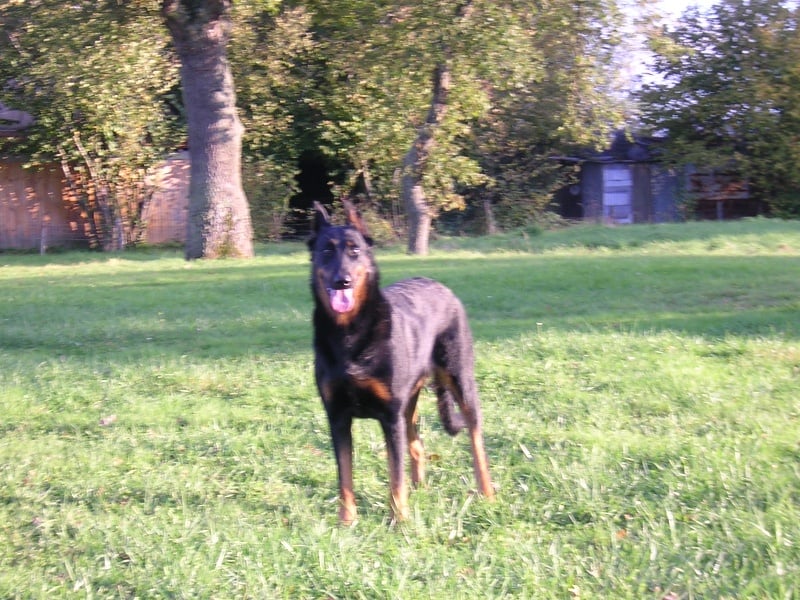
(398, 500)
(444, 379)
(416, 450)
(347, 499)
(399, 503)
(481, 464)
(376, 387)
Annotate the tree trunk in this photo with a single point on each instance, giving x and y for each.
(417, 207)
(488, 213)
(218, 222)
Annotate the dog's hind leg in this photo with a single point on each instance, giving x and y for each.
(466, 396)
(480, 463)
(446, 388)
(416, 450)
(455, 383)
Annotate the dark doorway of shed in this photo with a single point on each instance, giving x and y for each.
(569, 202)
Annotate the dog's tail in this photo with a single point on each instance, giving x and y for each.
(452, 420)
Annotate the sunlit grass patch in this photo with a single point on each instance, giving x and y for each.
(161, 435)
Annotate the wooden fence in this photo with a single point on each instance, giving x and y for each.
(35, 210)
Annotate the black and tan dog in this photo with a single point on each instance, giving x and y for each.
(374, 351)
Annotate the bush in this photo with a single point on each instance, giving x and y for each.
(268, 187)
(786, 205)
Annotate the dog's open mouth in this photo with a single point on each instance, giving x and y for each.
(341, 300)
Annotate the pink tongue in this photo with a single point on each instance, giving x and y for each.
(341, 300)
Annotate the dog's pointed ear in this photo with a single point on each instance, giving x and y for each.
(354, 219)
(321, 221)
(321, 217)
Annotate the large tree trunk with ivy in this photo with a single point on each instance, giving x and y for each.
(418, 210)
(219, 217)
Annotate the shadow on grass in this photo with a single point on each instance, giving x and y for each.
(250, 308)
(507, 296)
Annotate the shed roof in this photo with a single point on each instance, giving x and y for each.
(624, 147)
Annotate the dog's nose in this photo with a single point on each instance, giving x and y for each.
(343, 283)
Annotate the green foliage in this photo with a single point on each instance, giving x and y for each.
(729, 96)
(268, 187)
(538, 76)
(371, 91)
(567, 100)
(348, 80)
(271, 53)
(101, 86)
(639, 390)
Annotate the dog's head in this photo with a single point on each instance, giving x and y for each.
(343, 268)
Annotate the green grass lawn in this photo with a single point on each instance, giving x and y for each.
(161, 437)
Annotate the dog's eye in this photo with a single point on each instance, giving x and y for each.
(328, 251)
(353, 251)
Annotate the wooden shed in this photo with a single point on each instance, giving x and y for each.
(33, 211)
(622, 184)
(37, 211)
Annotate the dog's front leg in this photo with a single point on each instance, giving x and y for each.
(341, 432)
(395, 433)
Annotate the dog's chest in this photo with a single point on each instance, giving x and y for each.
(364, 382)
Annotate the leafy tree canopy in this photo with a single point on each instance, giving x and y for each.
(351, 80)
(526, 81)
(100, 69)
(99, 81)
(728, 97)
